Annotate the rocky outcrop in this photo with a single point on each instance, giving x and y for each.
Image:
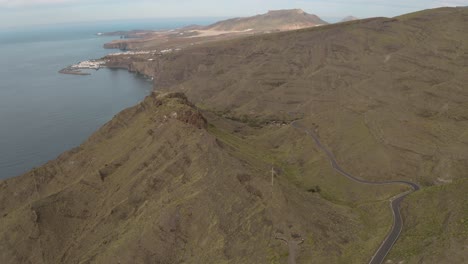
(117, 44)
(189, 115)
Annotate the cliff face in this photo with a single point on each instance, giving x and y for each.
(97, 199)
(122, 45)
(138, 189)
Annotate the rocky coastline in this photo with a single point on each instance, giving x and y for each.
(69, 70)
(77, 69)
(119, 60)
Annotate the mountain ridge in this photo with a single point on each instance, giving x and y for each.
(357, 84)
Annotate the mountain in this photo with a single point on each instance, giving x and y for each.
(209, 169)
(158, 184)
(273, 20)
(278, 20)
(349, 18)
(386, 94)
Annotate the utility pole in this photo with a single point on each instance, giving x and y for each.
(272, 176)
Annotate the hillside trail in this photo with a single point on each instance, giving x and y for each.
(293, 247)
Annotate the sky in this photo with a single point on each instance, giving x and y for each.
(14, 13)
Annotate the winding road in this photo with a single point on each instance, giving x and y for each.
(395, 202)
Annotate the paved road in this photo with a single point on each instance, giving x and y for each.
(392, 237)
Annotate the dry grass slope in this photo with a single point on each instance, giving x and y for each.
(168, 181)
(157, 184)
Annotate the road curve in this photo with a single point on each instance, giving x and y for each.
(395, 202)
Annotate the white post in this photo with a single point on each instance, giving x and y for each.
(272, 176)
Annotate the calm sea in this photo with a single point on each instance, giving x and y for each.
(44, 113)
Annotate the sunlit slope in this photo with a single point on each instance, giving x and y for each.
(389, 96)
(159, 184)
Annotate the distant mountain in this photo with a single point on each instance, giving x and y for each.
(273, 20)
(349, 18)
(277, 20)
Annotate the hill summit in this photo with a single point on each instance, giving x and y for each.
(273, 20)
(349, 18)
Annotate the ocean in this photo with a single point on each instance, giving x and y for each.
(44, 113)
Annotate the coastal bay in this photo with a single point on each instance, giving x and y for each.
(43, 112)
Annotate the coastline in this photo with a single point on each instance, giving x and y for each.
(62, 111)
(136, 62)
(76, 69)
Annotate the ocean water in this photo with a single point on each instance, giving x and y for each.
(44, 113)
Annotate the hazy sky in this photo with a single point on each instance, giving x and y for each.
(27, 12)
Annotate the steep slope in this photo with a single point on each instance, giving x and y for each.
(436, 226)
(387, 96)
(273, 20)
(360, 83)
(158, 184)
